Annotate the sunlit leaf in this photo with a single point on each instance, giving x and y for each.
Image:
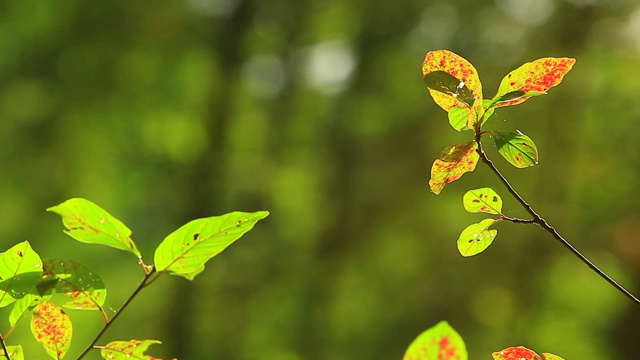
(20, 272)
(548, 356)
(476, 114)
(440, 342)
(185, 251)
(482, 200)
(25, 305)
(454, 161)
(51, 327)
(128, 350)
(15, 353)
(518, 149)
(476, 238)
(516, 353)
(89, 223)
(451, 79)
(85, 288)
(532, 79)
(459, 118)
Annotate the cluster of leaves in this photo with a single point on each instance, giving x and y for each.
(442, 342)
(455, 86)
(33, 285)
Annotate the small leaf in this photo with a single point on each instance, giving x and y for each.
(15, 353)
(127, 350)
(532, 79)
(476, 238)
(52, 328)
(518, 149)
(185, 251)
(85, 288)
(455, 82)
(452, 164)
(89, 223)
(482, 200)
(459, 117)
(23, 306)
(516, 353)
(476, 116)
(20, 272)
(440, 342)
(548, 356)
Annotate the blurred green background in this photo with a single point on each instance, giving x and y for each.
(166, 111)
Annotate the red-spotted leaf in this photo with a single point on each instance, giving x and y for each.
(185, 251)
(89, 223)
(85, 288)
(451, 79)
(128, 350)
(51, 327)
(460, 118)
(15, 353)
(482, 200)
(517, 148)
(20, 272)
(454, 161)
(531, 79)
(476, 238)
(25, 305)
(516, 353)
(440, 342)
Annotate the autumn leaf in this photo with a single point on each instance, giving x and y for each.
(452, 164)
(451, 79)
(51, 327)
(440, 342)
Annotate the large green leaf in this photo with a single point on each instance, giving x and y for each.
(52, 328)
(185, 251)
(452, 164)
(482, 200)
(84, 287)
(518, 149)
(20, 272)
(15, 353)
(89, 223)
(440, 342)
(476, 238)
(128, 350)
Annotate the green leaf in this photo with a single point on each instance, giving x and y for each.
(452, 164)
(476, 238)
(23, 306)
(482, 200)
(127, 350)
(89, 223)
(15, 353)
(518, 149)
(448, 84)
(20, 272)
(548, 356)
(185, 251)
(52, 328)
(459, 118)
(440, 342)
(85, 288)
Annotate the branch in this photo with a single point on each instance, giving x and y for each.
(4, 347)
(540, 221)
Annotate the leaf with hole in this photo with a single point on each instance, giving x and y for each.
(128, 350)
(84, 287)
(438, 342)
(20, 272)
(52, 328)
(15, 353)
(452, 164)
(451, 79)
(517, 148)
(482, 200)
(476, 238)
(185, 251)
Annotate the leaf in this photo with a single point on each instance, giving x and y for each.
(20, 271)
(482, 200)
(532, 79)
(85, 288)
(459, 117)
(52, 328)
(89, 223)
(451, 79)
(23, 306)
(476, 238)
(15, 353)
(548, 356)
(452, 164)
(516, 353)
(185, 251)
(518, 149)
(440, 342)
(126, 350)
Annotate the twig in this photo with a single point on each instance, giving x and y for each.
(540, 221)
(4, 347)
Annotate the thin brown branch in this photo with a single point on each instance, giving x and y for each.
(4, 348)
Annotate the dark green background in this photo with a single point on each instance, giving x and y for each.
(166, 111)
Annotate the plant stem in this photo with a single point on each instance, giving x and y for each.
(4, 347)
(106, 326)
(540, 221)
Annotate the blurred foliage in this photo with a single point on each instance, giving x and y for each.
(163, 112)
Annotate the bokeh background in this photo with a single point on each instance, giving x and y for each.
(166, 111)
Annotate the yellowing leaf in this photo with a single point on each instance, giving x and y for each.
(454, 161)
(451, 79)
(85, 288)
(517, 148)
(440, 342)
(52, 328)
(516, 353)
(482, 200)
(476, 238)
(531, 79)
(128, 350)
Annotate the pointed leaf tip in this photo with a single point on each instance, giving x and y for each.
(452, 164)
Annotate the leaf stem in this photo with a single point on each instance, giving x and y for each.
(540, 221)
(4, 347)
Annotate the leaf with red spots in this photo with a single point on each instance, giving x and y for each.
(20, 272)
(516, 353)
(15, 353)
(517, 148)
(185, 251)
(52, 329)
(476, 238)
(440, 342)
(451, 79)
(25, 305)
(85, 288)
(482, 200)
(126, 350)
(452, 164)
(89, 223)
(532, 79)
